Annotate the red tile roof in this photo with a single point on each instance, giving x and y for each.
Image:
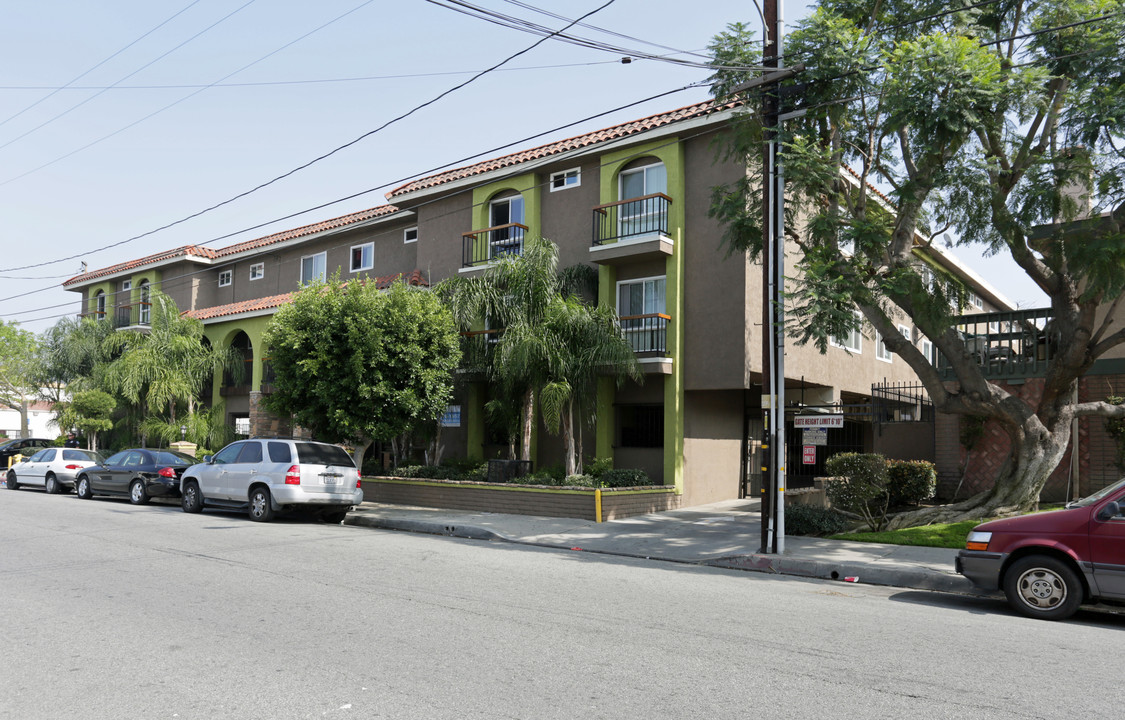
(207, 253)
(598, 136)
(273, 301)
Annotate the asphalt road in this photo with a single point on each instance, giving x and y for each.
(115, 611)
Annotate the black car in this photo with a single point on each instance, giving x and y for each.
(21, 446)
(138, 474)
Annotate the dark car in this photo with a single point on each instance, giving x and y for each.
(21, 446)
(138, 474)
(1050, 563)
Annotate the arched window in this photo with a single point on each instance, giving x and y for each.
(646, 214)
(99, 305)
(144, 299)
(505, 216)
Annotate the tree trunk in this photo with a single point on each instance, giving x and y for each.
(358, 453)
(1033, 457)
(568, 438)
(528, 419)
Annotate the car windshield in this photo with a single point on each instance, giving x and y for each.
(171, 457)
(317, 454)
(76, 454)
(1104, 492)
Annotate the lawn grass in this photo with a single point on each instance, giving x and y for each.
(947, 535)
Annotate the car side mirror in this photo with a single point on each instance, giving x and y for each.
(1111, 510)
(207, 458)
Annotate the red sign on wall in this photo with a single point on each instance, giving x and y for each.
(808, 454)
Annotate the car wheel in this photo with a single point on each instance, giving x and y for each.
(137, 493)
(192, 500)
(1043, 587)
(82, 488)
(261, 510)
(12, 484)
(335, 518)
(51, 485)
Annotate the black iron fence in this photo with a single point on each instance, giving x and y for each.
(1019, 342)
(646, 215)
(646, 333)
(480, 247)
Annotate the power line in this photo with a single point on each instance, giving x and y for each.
(98, 65)
(318, 159)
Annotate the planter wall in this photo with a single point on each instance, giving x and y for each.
(521, 499)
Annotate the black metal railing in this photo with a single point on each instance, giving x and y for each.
(646, 215)
(1019, 342)
(899, 402)
(490, 244)
(646, 333)
(123, 316)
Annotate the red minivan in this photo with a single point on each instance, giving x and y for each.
(1050, 563)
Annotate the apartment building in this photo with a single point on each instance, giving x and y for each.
(630, 200)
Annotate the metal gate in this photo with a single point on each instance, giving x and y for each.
(854, 436)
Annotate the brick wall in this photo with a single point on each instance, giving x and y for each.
(518, 500)
(975, 471)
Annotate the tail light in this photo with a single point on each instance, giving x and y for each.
(293, 475)
(73, 467)
(166, 472)
(358, 478)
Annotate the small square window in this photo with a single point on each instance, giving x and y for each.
(853, 342)
(363, 257)
(566, 179)
(410, 235)
(881, 351)
(126, 285)
(257, 271)
(225, 277)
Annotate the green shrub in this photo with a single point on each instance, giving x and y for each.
(624, 477)
(428, 472)
(858, 484)
(911, 481)
(814, 520)
(580, 481)
(598, 467)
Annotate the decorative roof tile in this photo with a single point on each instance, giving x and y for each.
(274, 301)
(598, 136)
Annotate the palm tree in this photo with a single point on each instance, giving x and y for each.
(552, 342)
(169, 366)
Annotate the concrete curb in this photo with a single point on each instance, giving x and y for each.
(863, 573)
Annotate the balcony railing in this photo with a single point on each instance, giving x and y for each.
(1016, 343)
(646, 334)
(491, 244)
(626, 219)
(122, 316)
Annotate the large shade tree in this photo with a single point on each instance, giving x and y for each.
(357, 364)
(19, 379)
(992, 121)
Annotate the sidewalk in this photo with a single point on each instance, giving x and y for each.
(725, 534)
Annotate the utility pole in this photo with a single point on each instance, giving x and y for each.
(773, 269)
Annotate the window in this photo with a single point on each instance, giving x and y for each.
(505, 239)
(225, 277)
(451, 417)
(852, 342)
(251, 453)
(881, 350)
(257, 271)
(976, 300)
(363, 257)
(145, 300)
(410, 235)
(228, 454)
(126, 285)
(566, 179)
(312, 268)
(928, 350)
(641, 426)
(99, 304)
(640, 305)
(643, 216)
(280, 452)
(906, 332)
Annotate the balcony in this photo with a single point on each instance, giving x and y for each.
(1019, 343)
(631, 229)
(123, 318)
(481, 247)
(648, 336)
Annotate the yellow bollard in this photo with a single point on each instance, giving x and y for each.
(598, 504)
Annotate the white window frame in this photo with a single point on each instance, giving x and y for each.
(657, 340)
(928, 351)
(644, 211)
(856, 335)
(976, 300)
(257, 271)
(406, 239)
(323, 271)
(144, 302)
(364, 265)
(99, 304)
(881, 351)
(126, 285)
(566, 176)
(226, 277)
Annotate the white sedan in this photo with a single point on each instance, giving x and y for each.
(52, 469)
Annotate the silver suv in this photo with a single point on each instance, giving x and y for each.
(268, 476)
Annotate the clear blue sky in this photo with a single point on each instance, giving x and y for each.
(159, 123)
